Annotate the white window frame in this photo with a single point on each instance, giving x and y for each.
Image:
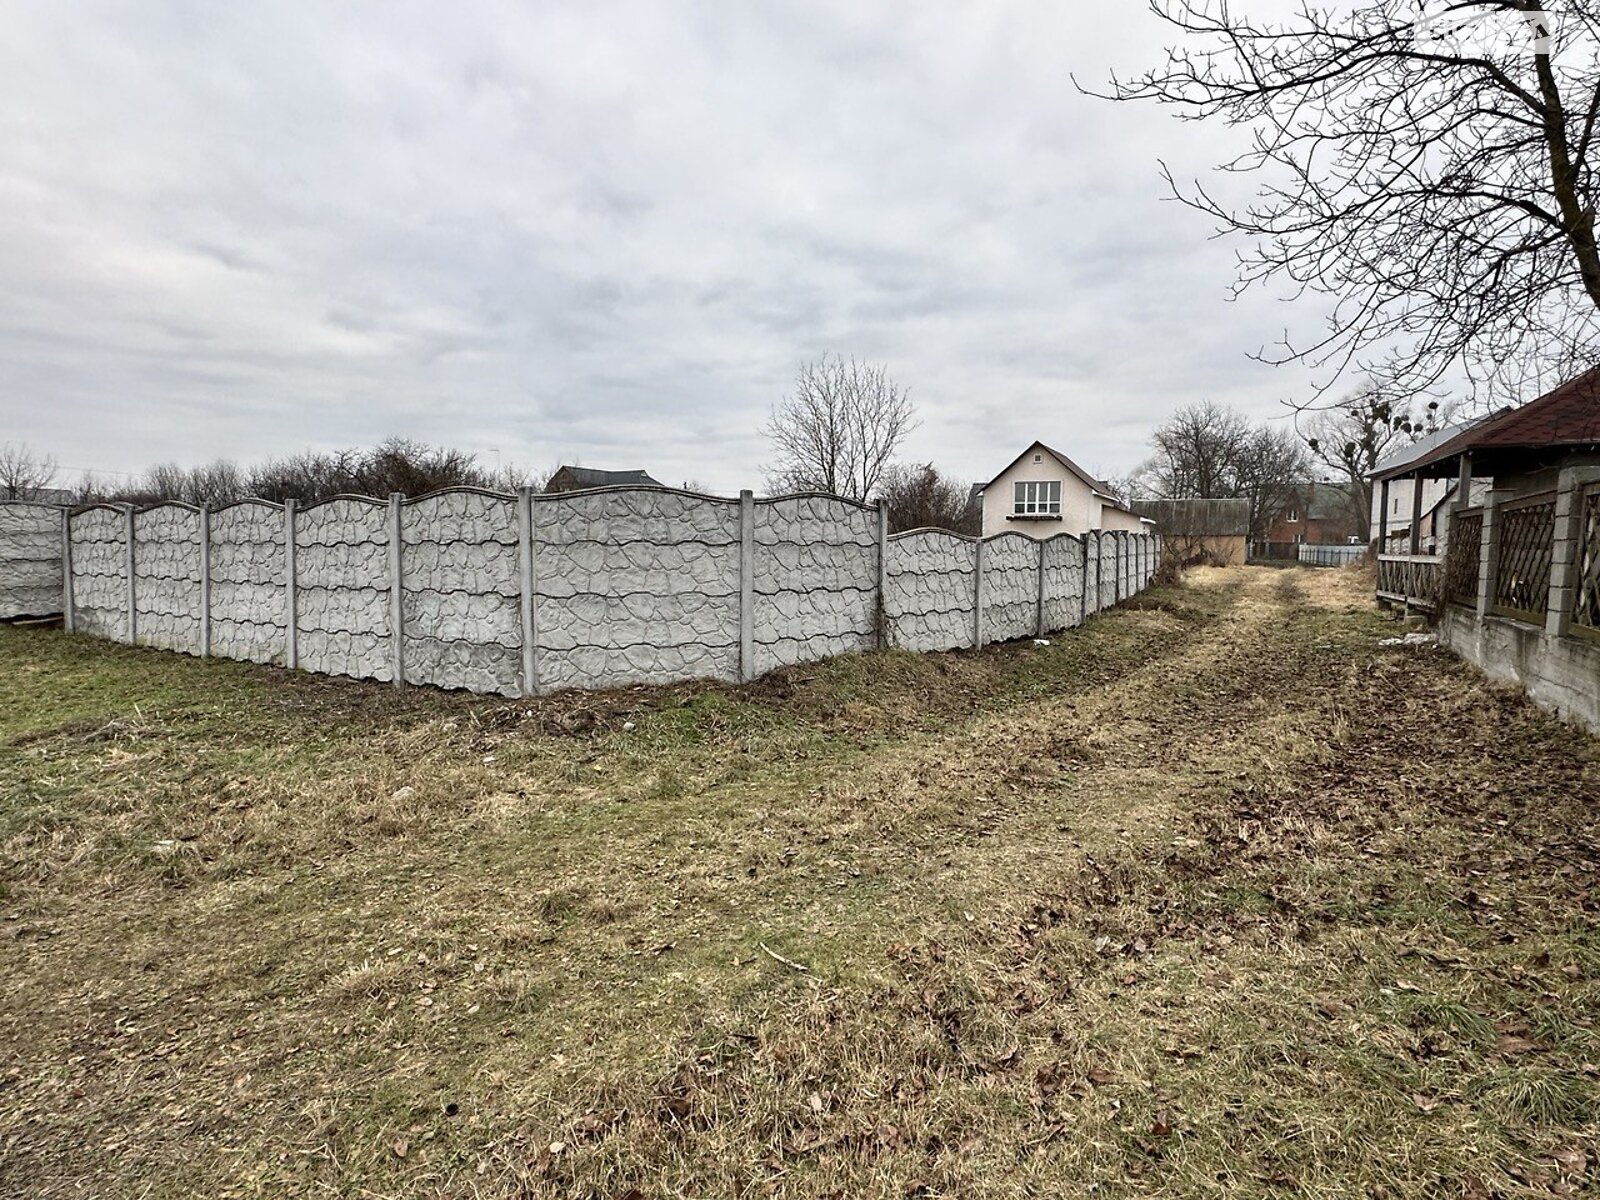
(1036, 498)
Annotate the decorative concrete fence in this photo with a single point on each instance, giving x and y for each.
(527, 593)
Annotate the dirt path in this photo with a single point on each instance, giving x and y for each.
(1214, 897)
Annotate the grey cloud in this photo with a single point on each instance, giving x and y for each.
(604, 232)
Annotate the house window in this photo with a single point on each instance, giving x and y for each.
(1292, 517)
(1037, 499)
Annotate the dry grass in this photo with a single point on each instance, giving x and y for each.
(1214, 897)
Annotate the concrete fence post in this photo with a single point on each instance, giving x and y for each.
(526, 572)
(1564, 551)
(747, 586)
(1091, 568)
(1038, 604)
(883, 575)
(205, 581)
(68, 619)
(128, 559)
(1488, 554)
(291, 602)
(397, 616)
(977, 594)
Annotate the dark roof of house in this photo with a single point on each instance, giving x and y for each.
(1327, 501)
(1097, 486)
(591, 477)
(1198, 516)
(1568, 416)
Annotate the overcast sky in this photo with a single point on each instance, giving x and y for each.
(598, 232)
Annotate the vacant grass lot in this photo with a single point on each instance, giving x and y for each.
(1213, 897)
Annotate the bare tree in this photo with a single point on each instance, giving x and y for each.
(921, 497)
(394, 465)
(1434, 176)
(839, 429)
(24, 474)
(1197, 452)
(1358, 432)
(1210, 452)
(1269, 470)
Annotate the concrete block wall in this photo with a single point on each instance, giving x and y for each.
(523, 594)
(30, 549)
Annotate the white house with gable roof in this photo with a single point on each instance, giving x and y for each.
(1043, 493)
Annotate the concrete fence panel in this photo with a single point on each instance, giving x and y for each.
(461, 592)
(928, 595)
(342, 589)
(168, 603)
(30, 548)
(1010, 587)
(99, 543)
(815, 579)
(249, 619)
(521, 594)
(636, 585)
(1062, 565)
(1107, 575)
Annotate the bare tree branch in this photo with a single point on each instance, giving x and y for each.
(24, 475)
(1427, 169)
(840, 429)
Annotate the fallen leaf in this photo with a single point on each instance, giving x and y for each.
(1572, 1160)
(401, 1148)
(1425, 1103)
(1099, 1076)
(1161, 1127)
(1515, 1043)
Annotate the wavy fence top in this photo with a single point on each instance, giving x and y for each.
(493, 494)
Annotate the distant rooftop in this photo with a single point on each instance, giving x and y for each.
(1198, 517)
(571, 479)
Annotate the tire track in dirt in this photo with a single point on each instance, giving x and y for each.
(1089, 762)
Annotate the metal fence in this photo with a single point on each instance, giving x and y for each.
(1331, 556)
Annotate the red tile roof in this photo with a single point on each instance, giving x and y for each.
(1567, 416)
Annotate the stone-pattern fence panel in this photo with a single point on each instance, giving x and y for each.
(248, 614)
(460, 599)
(635, 586)
(815, 579)
(524, 594)
(30, 549)
(166, 577)
(1010, 587)
(930, 595)
(98, 547)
